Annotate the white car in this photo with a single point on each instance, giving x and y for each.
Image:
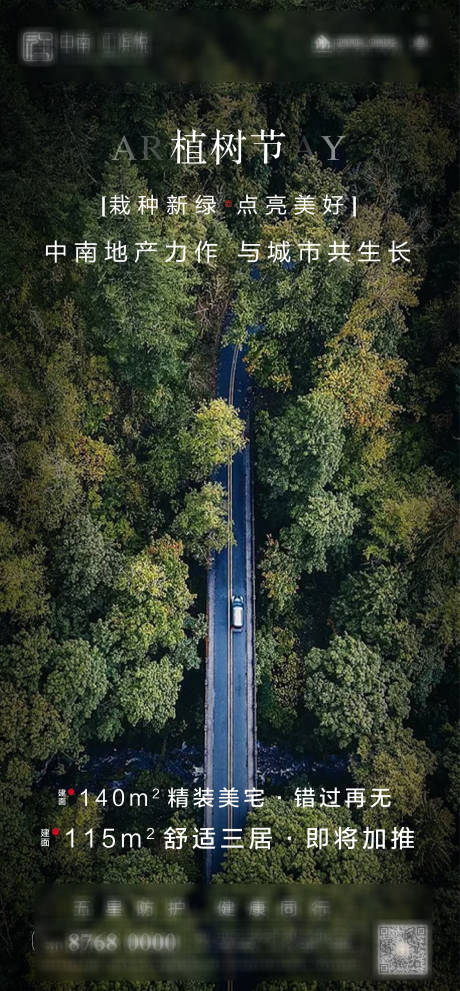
(237, 612)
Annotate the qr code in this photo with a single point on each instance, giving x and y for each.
(403, 949)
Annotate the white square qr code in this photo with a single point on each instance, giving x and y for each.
(403, 949)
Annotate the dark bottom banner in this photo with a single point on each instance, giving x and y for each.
(221, 932)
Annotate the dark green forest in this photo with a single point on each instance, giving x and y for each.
(110, 434)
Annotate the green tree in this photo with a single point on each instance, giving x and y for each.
(435, 830)
(139, 867)
(31, 731)
(450, 760)
(77, 682)
(202, 524)
(380, 607)
(280, 574)
(345, 689)
(22, 577)
(146, 621)
(322, 526)
(278, 661)
(393, 758)
(217, 433)
(294, 860)
(299, 452)
(76, 863)
(85, 563)
(356, 375)
(152, 599)
(149, 693)
(401, 145)
(140, 312)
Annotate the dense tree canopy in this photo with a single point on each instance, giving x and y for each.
(111, 436)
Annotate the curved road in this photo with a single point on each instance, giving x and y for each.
(230, 749)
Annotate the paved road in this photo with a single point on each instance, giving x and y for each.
(230, 751)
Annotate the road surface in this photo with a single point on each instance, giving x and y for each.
(230, 748)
